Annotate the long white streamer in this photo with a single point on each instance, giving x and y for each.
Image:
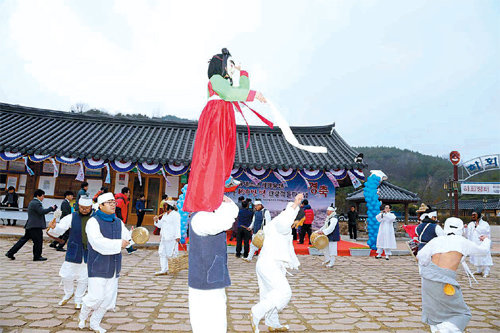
(280, 121)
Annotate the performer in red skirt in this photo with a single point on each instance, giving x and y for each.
(215, 143)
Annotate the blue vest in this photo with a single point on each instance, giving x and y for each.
(76, 252)
(425, 237)
(105, 266)
(334, 236)
(258, 218)
(208, 261)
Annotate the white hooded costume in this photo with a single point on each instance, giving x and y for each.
(443, 306)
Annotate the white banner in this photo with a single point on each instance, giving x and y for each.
(480, 188)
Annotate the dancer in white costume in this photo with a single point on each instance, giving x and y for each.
(332, 230)
(276, 256)
(386, 239)
(443, 306)
(170, 235)
(74, 267)
(208, 274)
(107, 236)
(475, 229)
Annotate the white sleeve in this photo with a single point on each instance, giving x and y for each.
(424, 255)
(126, 234)
(177, 222)
(439, 231)
(267, 216)
(283, 222)
(212, 223)
(379, 217)
(101, 244)
(63, 225)
(251, 224)
(472, 248)
(331, 227)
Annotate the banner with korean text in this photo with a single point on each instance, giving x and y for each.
(480, 188)
(275, 196)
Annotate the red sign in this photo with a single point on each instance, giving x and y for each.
(455, 157)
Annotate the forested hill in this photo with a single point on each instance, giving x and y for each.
(422, 174)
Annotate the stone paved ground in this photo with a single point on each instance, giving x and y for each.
(358, 295)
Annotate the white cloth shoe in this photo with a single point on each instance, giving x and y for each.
(78, 306)
(98, 329)
(330, 265)
(81, 324)
(161, 273)
(64, 300)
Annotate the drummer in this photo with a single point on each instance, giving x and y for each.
(260, 217)
(332, 230)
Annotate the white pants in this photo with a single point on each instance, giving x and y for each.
(445, 327)
(275, 292)
(387, 251)
(483, 269)
(167, 249)
(253, 249)
(101, 297)
(330, 252)
(71, 272)
(207, 310)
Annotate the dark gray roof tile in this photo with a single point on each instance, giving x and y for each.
(32, 130)
(388, 193)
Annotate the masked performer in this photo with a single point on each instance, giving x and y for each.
(107, 236)
(74, 267)
(386, 239)
(208, 275)
(443, 306)
(276, 256)
(215, 143)
(332, 230)
(477, 228)
(170, 234)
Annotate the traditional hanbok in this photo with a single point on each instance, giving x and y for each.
(208, 274)
(443, 306)
(74, 267)
(170, 231)
(332, 231)
(386, 239)
(483, 263)
(105, 234)
(276, 256)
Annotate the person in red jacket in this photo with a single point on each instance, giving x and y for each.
(122, 201)
(309, 218)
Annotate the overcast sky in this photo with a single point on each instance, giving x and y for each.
(422, 75)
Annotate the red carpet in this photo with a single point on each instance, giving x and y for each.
(342, 246)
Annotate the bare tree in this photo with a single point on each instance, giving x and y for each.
(79, 107)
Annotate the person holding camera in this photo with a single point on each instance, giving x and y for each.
(34, 227)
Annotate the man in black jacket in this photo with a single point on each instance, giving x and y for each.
(352, 217)
(11, 200)
(34, 227)
(65, 210)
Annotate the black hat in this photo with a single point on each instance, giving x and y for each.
(478, 210)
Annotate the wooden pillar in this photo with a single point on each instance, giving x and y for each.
(406, 213)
